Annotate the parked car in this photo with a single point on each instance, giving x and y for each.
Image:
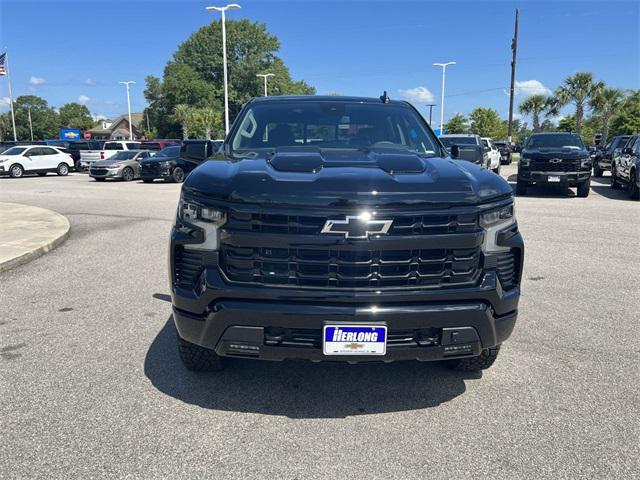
(75, 148)
(494, 154)
(465, 139)
(18, 160)
(625, 168)
(124, 165)
(173, 164)
(604, 156)
(158, 145)
(109, 149)
(554, 158)
(506, 151)
(306, 235)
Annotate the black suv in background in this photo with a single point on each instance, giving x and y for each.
(339, 229)
(604, 155)
(554, 159)
(625, 168)
(174, 163)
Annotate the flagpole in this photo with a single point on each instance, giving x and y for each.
(13, 115)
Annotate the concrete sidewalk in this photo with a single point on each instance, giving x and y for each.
(28, 232)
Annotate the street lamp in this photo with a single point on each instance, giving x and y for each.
(444, 67)
(265, 76)
(126, 84)
(224, 60)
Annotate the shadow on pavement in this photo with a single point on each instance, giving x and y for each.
(302, 389)
(602, 186)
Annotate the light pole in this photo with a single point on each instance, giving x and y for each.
(444, 68)
(265, 76)
(224, 60)
(30, 122)
(126, 84)
(430, 105)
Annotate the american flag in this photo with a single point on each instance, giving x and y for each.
(3, 59)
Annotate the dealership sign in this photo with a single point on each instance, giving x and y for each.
(70, 134)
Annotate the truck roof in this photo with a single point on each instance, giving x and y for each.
(323, 98)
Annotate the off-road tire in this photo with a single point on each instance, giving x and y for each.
(197, 358)
(634, 191)
(475, 364)
(521, 188)
(615, 184)
(583, 189)
(16, 171)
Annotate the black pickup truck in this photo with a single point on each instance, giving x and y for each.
(554, 159)
(339, 229)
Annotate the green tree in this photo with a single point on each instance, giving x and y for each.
(194, 77)
(184, 115)
(457, 124)
(43, 117)
(578, 90)
(486, 123)
(208, 120)
(536, 106)
(567, 124)
(5, 126)
(74, 115)
(627, 120)
(606, 102)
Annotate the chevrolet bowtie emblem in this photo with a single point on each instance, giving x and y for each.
(360, 226)
(555, 160)
(354, 346)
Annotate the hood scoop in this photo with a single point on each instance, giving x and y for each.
(311, 160)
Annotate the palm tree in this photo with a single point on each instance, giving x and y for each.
(535, 105)
(605, 102)
(183, 114)
(208, 120)
(578, 89)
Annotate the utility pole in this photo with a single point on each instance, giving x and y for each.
(430, 105)
(126, 84)
(30, 123)
(514, 50)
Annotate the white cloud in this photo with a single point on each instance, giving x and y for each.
(98, 117)
(36, 80)
(5, 101)
(417, 95)
(527, 88)
(89, 82)
(83, 99)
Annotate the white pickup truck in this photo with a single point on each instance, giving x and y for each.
(109, 149)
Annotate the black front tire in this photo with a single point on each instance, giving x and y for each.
(584, 188)
(474, 364)
(497, 169)
(615, 184)
(178, 175)
(197, 358)
(634, 191)
(521, 188)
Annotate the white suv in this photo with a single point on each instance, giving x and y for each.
(493, 152)
(40, 159)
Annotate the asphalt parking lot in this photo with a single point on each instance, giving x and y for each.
(92, 385)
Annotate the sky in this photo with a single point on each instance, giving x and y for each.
(80, 50)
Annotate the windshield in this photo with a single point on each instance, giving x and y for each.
(169, 152)
(331, 125)
(449, 141)
(113, 146)
(14, 151)
(555, 141)
(125, 155)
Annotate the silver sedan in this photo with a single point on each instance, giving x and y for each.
(124, 165)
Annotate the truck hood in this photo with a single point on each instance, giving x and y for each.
(301, 176)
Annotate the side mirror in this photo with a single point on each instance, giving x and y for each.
(487, 149)
(470, 153)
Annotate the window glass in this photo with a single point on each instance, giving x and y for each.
(14, 151)
(47, 151)
(332, 125)
(449, 141)
(132, 146)
(34, 151)
(113, 146)
(560, 140)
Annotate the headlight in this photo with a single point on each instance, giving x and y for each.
(493, 222)
(524, 161)
(210, 219)
(586, 162)
(164, 164)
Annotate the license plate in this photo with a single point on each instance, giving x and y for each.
(354, 340)
(553, 178)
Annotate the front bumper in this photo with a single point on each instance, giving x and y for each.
(566, 178)
(109, 174)
(604, 164)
